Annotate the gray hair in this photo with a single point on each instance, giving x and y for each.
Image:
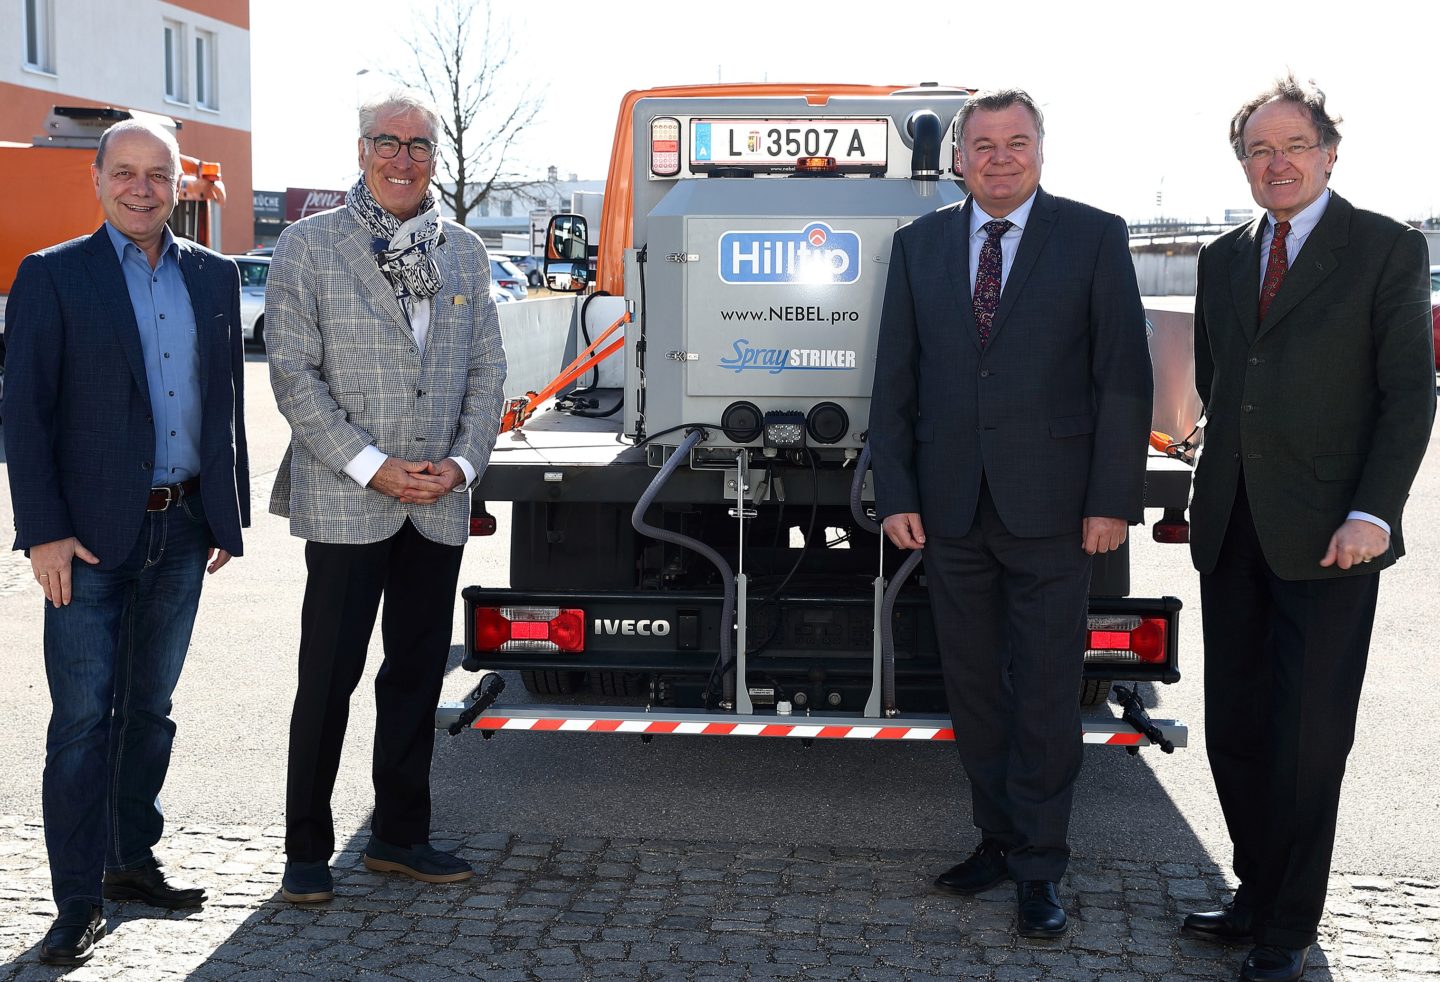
(995, 100)
(138, 126)
(1306, 95)
(400, 100)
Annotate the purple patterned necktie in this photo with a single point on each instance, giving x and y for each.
(1275, 268)
(987, 277)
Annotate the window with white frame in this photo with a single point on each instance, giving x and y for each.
(175, 61)
(40, 35)
(206, 94)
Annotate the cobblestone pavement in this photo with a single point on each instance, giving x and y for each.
(668, 910)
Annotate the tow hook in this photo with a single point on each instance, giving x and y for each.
(484, 697)
(1137, 717)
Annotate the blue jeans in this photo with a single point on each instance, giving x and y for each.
(112, 659)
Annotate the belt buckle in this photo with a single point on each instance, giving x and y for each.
(169, 492)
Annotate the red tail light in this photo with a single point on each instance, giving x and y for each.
(664, 146)
(529, 629)
(482, 524)
(508, 284)
(1126, 638)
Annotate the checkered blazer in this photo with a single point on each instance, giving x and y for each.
(347, 373)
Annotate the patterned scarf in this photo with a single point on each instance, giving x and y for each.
(406, 263)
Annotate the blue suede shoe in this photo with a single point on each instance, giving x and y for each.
(307, 882)
(423, 862)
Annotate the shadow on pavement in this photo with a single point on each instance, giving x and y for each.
(691, 858)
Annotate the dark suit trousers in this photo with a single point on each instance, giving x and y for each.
(1284, 663)
(417, 578)
(1010, 616)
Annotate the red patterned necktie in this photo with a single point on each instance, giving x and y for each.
(987, 277)
(1275, 268)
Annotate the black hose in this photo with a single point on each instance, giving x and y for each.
(585, 333)
(892, 590)
(727, 575)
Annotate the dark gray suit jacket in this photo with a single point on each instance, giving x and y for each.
(1055, 410)
(1328, 403)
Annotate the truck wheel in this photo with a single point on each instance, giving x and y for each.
(549, 683)
(618, 683)
(1094, 692)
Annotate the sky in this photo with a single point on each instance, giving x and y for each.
(1137, 95)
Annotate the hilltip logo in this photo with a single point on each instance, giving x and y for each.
(815, 254)
(773, 361)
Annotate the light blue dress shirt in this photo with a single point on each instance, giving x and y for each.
(166, 320)
(1009, 242)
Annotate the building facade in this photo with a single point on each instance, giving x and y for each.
(186, 59)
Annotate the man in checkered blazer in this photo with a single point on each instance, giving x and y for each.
(385, 358)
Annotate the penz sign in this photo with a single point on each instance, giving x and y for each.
(303, 202)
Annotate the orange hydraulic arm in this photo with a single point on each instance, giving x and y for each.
(517, 411)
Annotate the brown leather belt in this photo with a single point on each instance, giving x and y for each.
(170, 494)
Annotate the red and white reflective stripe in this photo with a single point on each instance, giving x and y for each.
(809, 731)
(1114, 739)
(700, 728)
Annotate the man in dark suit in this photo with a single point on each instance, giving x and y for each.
(1008, 424)
(124, 431)
(1313, 358)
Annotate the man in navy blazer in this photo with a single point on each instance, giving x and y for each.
(1008, 428)
(126, 443)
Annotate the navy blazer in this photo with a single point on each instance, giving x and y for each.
(1054, 411)
(79, 435)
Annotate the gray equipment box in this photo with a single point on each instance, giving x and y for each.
(768, 291)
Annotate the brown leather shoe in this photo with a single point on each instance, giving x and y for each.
(71, 939)
(150, 885)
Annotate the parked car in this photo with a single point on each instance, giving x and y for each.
(529, 265)
(254, 271)
(1435, 311)
(499, 294)
(509, 276)
(1435, 324)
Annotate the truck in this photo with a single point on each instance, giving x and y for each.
(58, 161)
(692, 539)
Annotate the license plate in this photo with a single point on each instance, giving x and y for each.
(775, 144)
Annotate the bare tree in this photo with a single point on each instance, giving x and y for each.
(461, 60)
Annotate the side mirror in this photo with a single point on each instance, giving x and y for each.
(567, 250)
(564, 276)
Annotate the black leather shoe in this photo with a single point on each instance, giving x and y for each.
(150, 885)
(985, 868)
(71, 939)
(1271, 963)
(1038, 913)
(1228, 925)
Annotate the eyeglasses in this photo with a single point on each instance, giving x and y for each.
(387, 146)
(1263, 155)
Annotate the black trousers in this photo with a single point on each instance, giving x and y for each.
(417, 578)
(1284, 664)
(1010, 617)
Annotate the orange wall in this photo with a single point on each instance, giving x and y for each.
(23, 118)
(235, 12)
